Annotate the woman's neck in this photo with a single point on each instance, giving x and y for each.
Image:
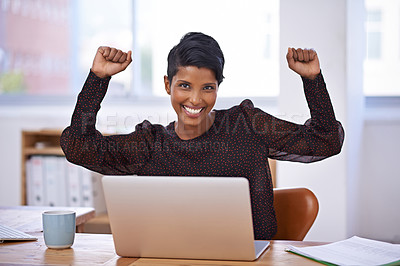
(187, 132)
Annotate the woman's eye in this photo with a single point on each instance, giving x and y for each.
(185, 86)
(209, 88)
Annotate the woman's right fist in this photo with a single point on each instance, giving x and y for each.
(110, 61)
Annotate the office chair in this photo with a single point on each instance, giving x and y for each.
(296, 210)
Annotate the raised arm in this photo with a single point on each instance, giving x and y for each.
(319, 137)
(83, 144)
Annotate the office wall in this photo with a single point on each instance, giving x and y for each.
(357, 189)
(379, 211)
(307, 24)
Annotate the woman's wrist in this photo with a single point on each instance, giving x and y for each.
(100, 75)
(312, 76)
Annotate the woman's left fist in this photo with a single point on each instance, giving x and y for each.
(304, 62)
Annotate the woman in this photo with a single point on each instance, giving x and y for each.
(204, 142)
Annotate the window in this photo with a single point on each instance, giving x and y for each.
(247, 32)
(382, 62)
(47, 46)
(374, 34)
(34, 47)
(103, 23)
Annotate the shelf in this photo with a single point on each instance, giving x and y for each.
(40, 142)
(44, 151)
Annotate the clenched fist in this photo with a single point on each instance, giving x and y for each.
(110, 61)
(304, 62)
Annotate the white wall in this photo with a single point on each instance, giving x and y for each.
(356, 50)
(378, 207)
(358, 189)
(318, 24)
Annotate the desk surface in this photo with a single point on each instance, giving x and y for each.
(98, 249)
(29, 218)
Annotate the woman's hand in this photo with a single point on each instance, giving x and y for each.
(304, 62)
(110, 61)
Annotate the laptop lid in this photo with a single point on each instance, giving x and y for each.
(181, 217)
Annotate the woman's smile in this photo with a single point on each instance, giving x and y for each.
(193, 111)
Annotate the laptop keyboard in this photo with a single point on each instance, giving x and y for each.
(8, 233)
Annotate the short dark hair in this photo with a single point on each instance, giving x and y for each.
(196, 49)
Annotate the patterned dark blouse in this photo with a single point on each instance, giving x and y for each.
(239, 143)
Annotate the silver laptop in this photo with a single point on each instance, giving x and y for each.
(181, 217)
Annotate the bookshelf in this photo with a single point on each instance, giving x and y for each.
(40, 142)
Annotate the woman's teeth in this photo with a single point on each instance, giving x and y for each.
(193, 111)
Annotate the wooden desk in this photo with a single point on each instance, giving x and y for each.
(98, 249)
(29, 218)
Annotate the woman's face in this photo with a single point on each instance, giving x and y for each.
(193, 93)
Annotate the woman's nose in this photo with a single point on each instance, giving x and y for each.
(195, 97)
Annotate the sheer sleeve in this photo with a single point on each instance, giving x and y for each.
(320, 137)
(84, 145)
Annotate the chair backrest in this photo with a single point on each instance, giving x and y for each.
(296, 210)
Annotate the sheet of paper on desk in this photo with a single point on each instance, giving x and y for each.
(352, 251)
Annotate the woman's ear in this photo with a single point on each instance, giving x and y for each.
(167, 85)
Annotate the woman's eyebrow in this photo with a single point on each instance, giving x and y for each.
(184, 81)
(205, 84)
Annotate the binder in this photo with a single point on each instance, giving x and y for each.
(35, 181)
(99, 202)
(53, 181)
(29, 183)
(61, 175)
(87, 188)
(74, 194)
(49, 166)
(54, 176)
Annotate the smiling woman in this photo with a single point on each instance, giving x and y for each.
(235, 142)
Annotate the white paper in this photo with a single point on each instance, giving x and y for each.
(353, 251)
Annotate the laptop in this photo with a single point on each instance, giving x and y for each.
(181, 217)
(11, 234)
